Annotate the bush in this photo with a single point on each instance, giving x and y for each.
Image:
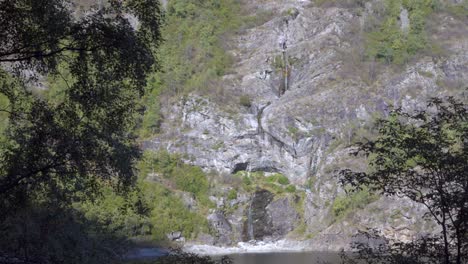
(283, 180)
(276, 183)
(342, 205)
(168, 213)
(278, 178)
(244, 100)
(246, 180)
(191, 179)
(341, 3)
(185, 177)
(193, 54)
(388, 43)
(232, 194)
(150, 123)
(290, 188)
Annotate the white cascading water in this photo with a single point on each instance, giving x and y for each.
(248, 247)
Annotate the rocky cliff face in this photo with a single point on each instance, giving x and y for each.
(310, 96)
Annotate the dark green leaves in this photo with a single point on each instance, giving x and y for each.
(61, 145)
(424, 156)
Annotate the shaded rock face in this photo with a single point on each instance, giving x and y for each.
(268, 219)
(284, 217)
(258, 222)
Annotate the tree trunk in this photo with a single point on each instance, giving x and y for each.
(459, 244)
(446, 243)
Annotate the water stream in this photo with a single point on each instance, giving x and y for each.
(250, 230)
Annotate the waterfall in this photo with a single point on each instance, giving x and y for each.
(250, 230)
(285, 70)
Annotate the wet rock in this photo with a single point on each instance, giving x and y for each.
(174, 236)
(284, 217)
(268, 219)
(258, 223)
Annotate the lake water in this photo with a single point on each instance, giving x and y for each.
(286, 258)
(304, 257)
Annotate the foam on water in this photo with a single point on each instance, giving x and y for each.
(248, 247)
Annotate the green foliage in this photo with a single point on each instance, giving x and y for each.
(459, 10)
(62, 142)
(193, 55)
(126, 215)
(218, 145)
(283, 180)
(151, 120)
(247, 182)
(276, 183)
(389, 43)
(278, 178)
(423, 155)
(4, 104)
(341, 3)
(290, 189)
(278, 63)
(168, 213)
(232, 194)
(150, 209)
(60, 146)
(259, 18)
(293, 132)
(245, 101)
(191, 179)
(186, 178)
(344, 204)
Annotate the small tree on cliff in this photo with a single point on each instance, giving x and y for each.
(424, 156)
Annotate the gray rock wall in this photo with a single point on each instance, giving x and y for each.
(302, 132)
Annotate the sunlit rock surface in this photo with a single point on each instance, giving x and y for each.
(301, 123)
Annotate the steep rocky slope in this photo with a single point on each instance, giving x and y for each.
(310, 95)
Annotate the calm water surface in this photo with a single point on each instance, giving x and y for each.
(286, 258)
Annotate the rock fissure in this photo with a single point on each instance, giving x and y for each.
(260, 130)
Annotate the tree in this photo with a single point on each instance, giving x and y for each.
(56, 150)
(61, 146)
(424, 156)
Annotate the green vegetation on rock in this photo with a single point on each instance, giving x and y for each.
(153, 208)
(389, 41)
(193, 55)
(344, 204)
(170, 168)
(276, 183)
